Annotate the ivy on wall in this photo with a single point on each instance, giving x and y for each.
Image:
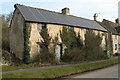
(45, 55)
(73, 44)
(92, 46)
(26, 31)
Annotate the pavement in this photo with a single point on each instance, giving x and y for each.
(109, 72)
(55, 66)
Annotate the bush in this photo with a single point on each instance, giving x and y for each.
(45, 55)
(74, 45)
(66, 56)
(74, 55)
(92, 46)
(77, 55)
(10, 59)
(5, 34)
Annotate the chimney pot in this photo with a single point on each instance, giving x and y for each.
(95, 17)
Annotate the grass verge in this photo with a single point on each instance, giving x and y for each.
(60, 71)
(23, 66)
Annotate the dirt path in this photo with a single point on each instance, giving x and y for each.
(46, 67)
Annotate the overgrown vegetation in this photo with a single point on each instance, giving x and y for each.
(10, 59)
(45, 55)
(7, 57)
(5, 33)
(75, 50)
(73, 44)
(26, 31)
(92, 46)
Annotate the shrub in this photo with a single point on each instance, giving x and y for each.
(5, 34)
(74, 55)
(77, 55)
(92, 46)
(66, 56)
(10, 58)
(74, 45)
(45, 55)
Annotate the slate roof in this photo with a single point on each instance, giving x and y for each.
(110, 26)
(118, 29)
(45, 16)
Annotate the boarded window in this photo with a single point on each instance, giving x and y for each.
(41, 26)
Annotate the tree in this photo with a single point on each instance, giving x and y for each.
(72, 40)
(45, 55)
(5, 33)
(73, 43)
(79, 41)
(64, 36)
(9, 17)
(92, 46)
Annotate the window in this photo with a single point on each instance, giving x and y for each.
(115, 46)
(119, 46)
(44, 26)
(102, 34)
(41, 26)
(115, 36)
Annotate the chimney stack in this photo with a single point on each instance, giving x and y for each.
(117, 21)
(95, 17)
(66, 11)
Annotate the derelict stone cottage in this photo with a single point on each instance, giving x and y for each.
(54, 22)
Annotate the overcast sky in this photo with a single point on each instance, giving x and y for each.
(107, 9)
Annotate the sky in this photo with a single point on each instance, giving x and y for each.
(106, 9)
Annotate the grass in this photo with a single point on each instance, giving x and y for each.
(23, 66)
(60, 71)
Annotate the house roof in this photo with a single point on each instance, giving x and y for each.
(45, 16)
(118, 29)
(110, 26)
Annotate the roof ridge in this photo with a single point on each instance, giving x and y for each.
(38, 8)
(109, 21)
(53, 11)
(92, 24)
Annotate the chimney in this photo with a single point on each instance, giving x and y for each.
(95, 17)
(66, 11)
(117, 21)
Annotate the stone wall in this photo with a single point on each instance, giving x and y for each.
(16, 34)
(119, 44)
(54, 30)
(115, 43)
(34, 39)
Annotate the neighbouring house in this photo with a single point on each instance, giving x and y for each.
(113, 36)
(54, 22)
(118, 30)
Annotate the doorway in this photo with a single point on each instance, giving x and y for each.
(58, 50)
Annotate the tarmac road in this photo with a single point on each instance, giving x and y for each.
(109, 72)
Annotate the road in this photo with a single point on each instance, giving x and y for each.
(110, 72)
